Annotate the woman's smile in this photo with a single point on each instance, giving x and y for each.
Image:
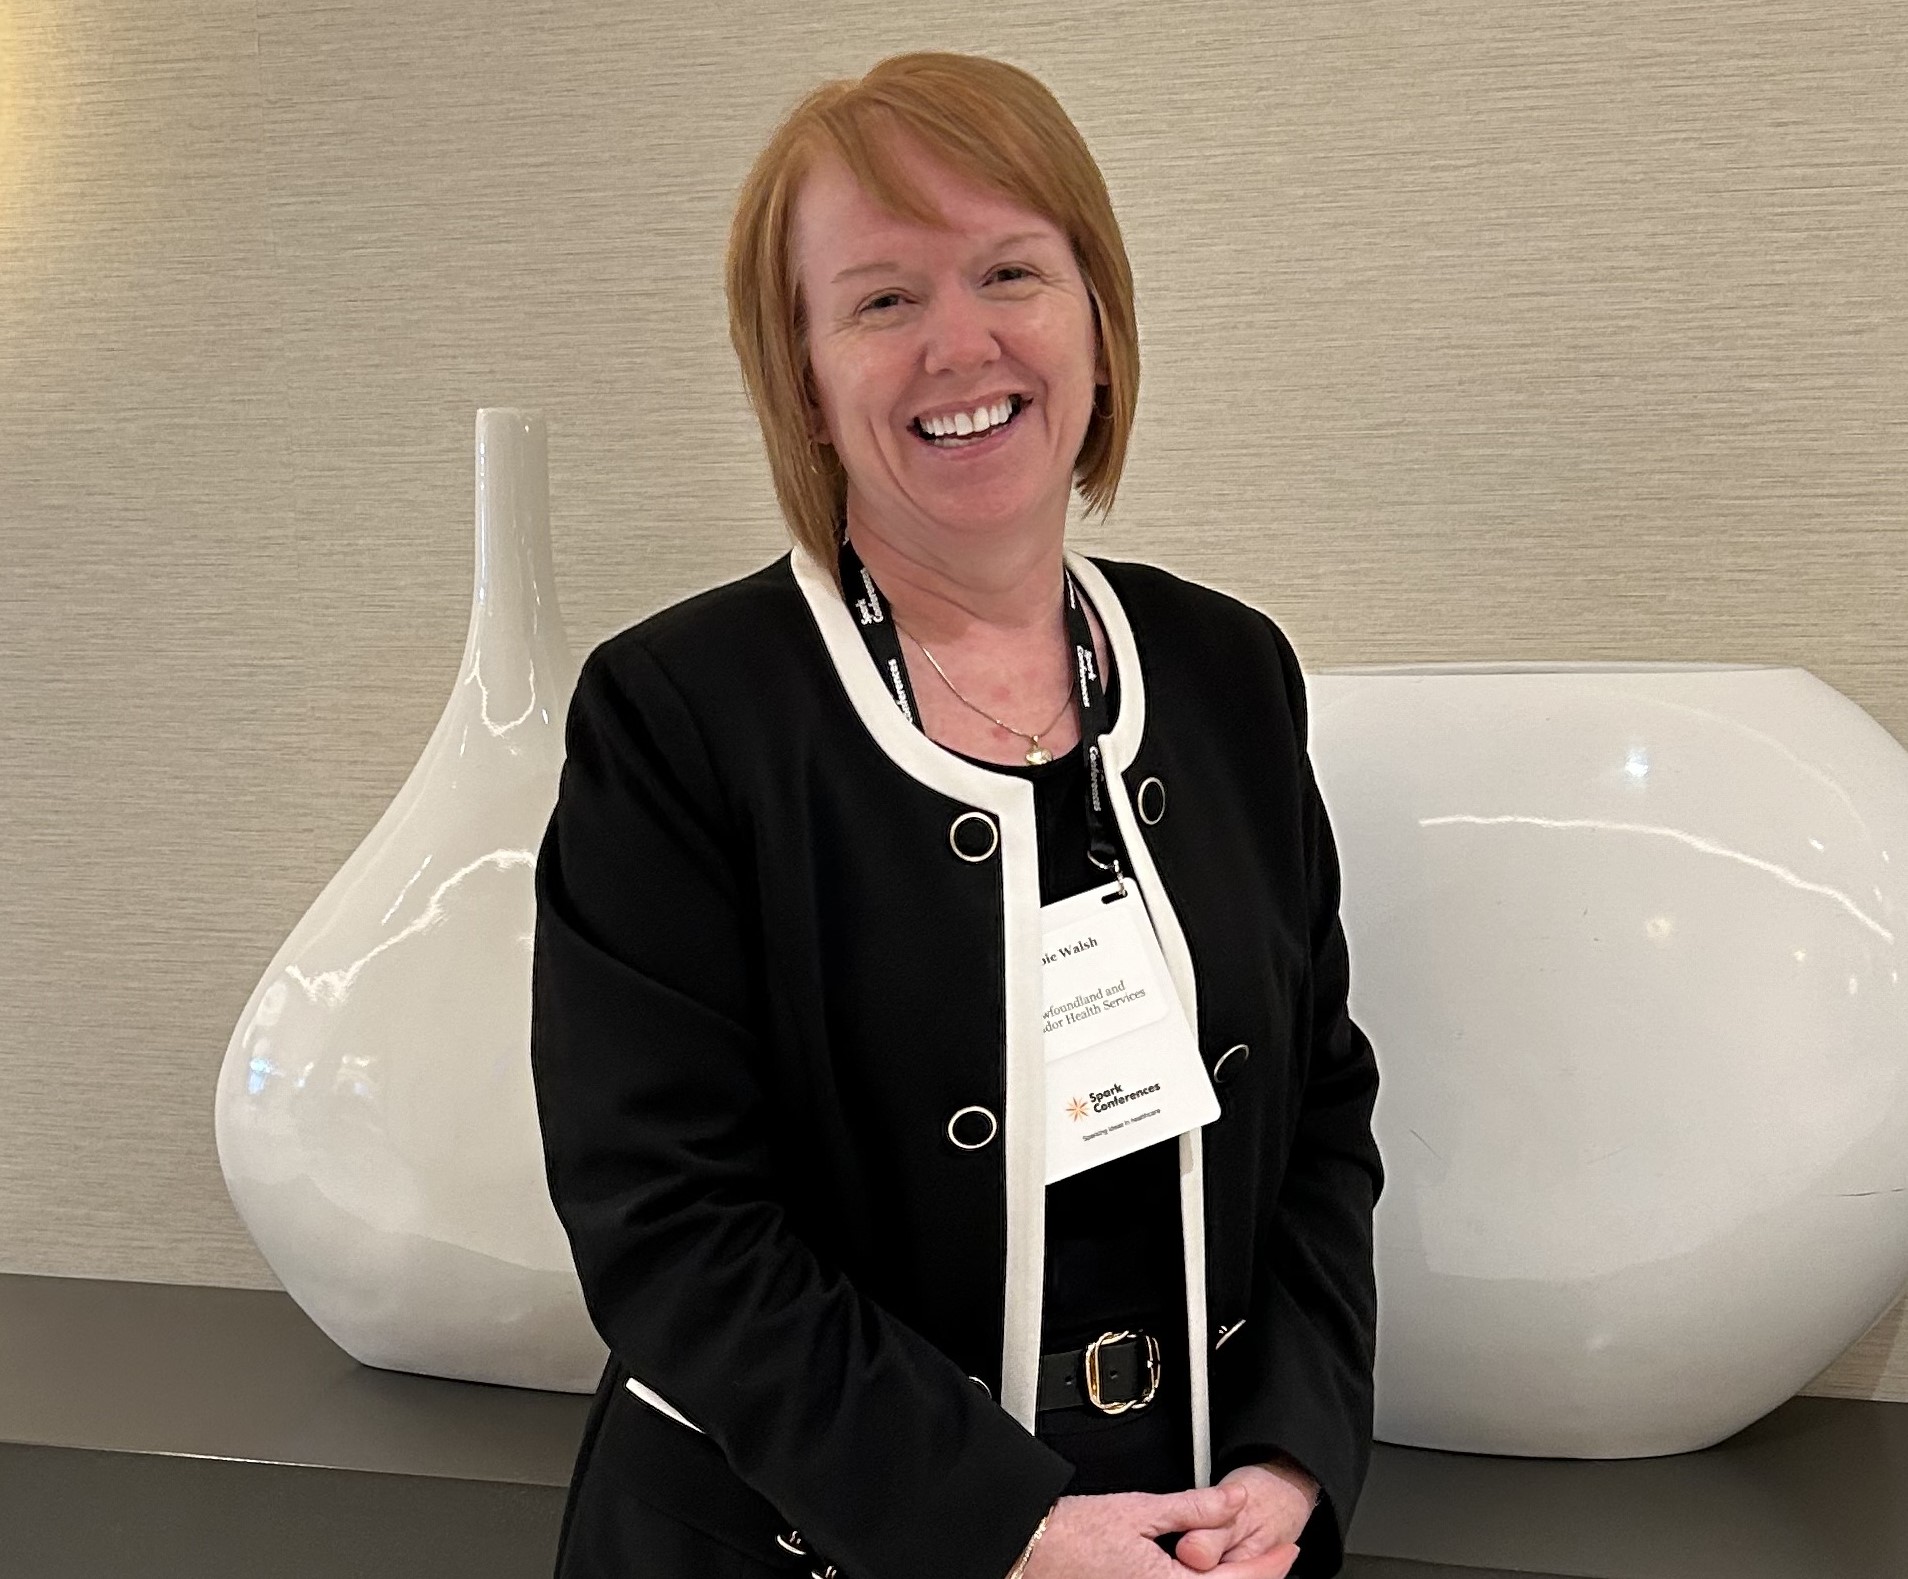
(972, 446)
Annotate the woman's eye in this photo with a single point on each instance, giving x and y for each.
(876, 303)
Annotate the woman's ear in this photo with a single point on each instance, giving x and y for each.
(1101, 373)
(811, 406)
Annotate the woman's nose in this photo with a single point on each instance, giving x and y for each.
(960, 332)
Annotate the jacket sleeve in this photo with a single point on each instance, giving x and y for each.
(655, 1104)
(1311, 1327)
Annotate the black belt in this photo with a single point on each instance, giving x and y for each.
(1116, 1372)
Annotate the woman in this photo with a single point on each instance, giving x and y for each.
(816, 831)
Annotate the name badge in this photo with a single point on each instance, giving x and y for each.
(1123, 1070)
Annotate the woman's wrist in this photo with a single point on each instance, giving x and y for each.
(1291, 1468)
(1026, 1552)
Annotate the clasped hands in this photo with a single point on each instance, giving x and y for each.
(1243, 1528)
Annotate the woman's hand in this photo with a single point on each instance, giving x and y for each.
(1257, 1542)
(1112, 1537)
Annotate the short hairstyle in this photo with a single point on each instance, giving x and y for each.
(999, 127)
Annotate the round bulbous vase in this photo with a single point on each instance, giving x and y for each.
(1628, 942)
(375, 1114)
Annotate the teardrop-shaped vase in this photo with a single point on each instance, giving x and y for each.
(376, 1119)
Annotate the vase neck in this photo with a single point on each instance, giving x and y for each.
(516, 653)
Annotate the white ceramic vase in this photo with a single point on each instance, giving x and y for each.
(375, 1114)
(1629, 943)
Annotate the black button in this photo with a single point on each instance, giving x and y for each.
(1150, 802)
(1231, 1061)
(974, 836)
(972, 1128)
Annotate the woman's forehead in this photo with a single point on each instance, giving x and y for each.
(840, 225)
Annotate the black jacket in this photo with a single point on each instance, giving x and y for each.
(782, 941)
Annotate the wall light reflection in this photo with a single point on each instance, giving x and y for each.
(1677, 835)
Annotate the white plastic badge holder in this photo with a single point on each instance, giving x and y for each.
(1123, 1070)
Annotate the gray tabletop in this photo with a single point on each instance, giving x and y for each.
(1818, 1488)
(244, 1374)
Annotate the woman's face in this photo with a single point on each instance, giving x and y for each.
(906, 321)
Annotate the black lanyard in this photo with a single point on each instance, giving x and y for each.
(876, 624)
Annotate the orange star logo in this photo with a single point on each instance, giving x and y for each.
(1077, 1109)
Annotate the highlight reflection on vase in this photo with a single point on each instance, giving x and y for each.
(1629, 943)
(375, 1114)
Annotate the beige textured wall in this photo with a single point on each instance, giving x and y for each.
(1470, 330)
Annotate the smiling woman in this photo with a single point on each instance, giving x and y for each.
(880, 240)
(885, 1295)
(954, 366)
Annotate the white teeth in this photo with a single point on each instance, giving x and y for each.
(979, 420)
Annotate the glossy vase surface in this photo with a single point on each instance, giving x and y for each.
(375, 1114)
(1629, 943)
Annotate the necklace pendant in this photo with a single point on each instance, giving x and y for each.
(1040, 754)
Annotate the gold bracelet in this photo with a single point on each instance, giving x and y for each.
(1026, 1552)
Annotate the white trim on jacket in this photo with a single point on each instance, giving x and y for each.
(1023, 1125)
(1120, 746)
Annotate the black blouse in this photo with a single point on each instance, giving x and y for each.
(1115, 1257)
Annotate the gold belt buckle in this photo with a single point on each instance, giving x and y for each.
(1093, 1373)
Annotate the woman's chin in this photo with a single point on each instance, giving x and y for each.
(1006, 505)
(974, 510)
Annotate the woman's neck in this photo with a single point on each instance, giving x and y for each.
(991, 614)
(1012, 586)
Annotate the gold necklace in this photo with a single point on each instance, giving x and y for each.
(1038, 753)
